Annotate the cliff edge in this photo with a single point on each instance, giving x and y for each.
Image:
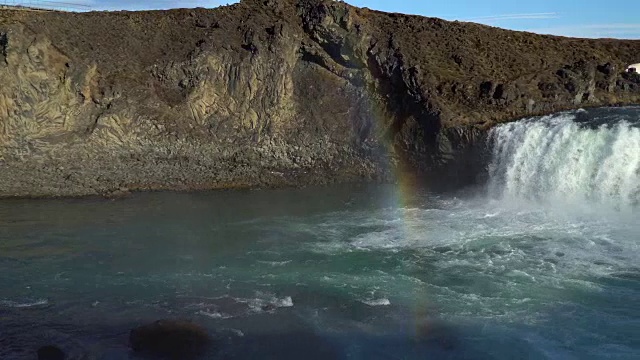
(272, 93)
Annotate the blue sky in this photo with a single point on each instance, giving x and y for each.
(582, 18)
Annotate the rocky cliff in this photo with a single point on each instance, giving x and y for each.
(271, 93)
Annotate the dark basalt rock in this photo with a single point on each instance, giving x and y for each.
(170, 339)
(607, 69)
(117, 194)
(273, 93)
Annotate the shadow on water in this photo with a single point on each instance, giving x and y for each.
(276, 335)
(350, 330)
(295, 344)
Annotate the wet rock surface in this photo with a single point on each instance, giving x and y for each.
(274, 93)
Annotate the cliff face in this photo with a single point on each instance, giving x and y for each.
(269, 92)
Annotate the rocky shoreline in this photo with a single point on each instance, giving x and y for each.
(274, 93)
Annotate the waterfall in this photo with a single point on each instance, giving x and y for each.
(565, 158)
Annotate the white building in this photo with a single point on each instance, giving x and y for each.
(634, 68)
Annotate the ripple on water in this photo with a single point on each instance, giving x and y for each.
(25, 304)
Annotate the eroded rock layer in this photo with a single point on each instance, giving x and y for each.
(274, 93)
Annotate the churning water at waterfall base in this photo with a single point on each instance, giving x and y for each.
(541, 264)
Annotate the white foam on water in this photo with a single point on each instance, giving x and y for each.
(265, 302)
(274, 263)
(287, 301)
(24, 304)
(377, 302)
(214, 314)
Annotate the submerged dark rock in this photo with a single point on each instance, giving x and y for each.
(437, 333)
(172, 339)
(51, 352)
(274, 93)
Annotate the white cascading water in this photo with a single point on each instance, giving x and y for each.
(556, 159)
